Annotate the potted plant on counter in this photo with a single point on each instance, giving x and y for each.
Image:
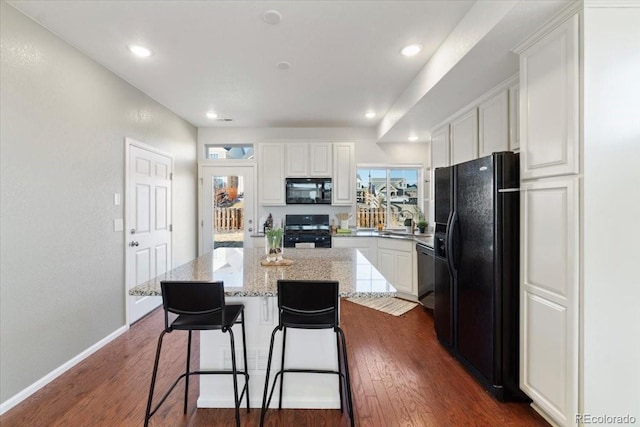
(274, 244)
(422, 223)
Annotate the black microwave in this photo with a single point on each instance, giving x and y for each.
(306, 191)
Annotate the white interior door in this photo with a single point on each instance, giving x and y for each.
(227, 207)
(148, 234)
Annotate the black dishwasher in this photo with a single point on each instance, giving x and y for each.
(426, 282)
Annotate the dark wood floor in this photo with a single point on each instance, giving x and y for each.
(401, 376)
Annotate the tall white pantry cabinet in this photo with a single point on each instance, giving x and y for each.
(567, 291)
(550, 219)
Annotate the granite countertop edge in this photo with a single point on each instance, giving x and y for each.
(230, 293)
(426, 239)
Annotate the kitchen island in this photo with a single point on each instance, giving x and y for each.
(248, 282)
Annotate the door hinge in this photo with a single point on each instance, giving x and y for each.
(171, 176)
(201, 223)
(170, 227)
(201, 181)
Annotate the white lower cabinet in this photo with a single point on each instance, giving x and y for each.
(366, 245)
(397, 262)
(395, 259)
(549, 295)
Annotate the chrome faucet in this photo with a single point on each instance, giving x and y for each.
(413, 223)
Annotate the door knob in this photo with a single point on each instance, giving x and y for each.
(134, 243)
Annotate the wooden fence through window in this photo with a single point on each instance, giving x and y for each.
(228, 219)
(370, 217)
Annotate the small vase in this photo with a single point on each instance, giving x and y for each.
(274, 247)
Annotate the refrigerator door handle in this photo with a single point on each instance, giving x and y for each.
(511, 190)
(450, 227)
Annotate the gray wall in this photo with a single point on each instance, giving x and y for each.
(64, 119)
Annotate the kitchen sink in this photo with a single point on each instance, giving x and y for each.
(395, 233)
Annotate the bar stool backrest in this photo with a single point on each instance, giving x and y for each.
(309, 298)
(191, 298)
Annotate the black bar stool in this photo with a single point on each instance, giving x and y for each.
(200, 306)
(308, 304)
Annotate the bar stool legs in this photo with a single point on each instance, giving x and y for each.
(347, 377)
(265, 405)
(344, 376)
(234, 372)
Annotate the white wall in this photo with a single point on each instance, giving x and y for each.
(367, 151)
(611, 210)
(64, 120)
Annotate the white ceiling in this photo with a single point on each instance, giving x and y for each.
(221, 55)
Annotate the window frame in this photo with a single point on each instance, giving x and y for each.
(388, 167)
(223, 145)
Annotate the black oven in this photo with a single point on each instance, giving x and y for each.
(307, 231)
(306, 191)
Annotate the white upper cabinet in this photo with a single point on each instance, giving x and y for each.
(440, 148)
(344, 174)
(493, 119)
(464, 137)
(271, 183)
(297, 159)
(514, 117)
(549, 104)
(308, 159)
(321, 159)
(439, 154)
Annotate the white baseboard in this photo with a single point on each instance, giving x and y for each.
(22, 395)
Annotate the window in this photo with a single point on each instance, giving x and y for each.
(228, 152)
(388, 195)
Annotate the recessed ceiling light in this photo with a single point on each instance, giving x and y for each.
(284, 65)
(370, 114)
(411, 50)
(272, 17)
(413, 138)
(139, 50)
(211, 115)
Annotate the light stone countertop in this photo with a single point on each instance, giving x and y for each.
(243, 275)
(425, 239)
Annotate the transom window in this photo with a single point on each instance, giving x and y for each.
(228, 152)
(388, 196)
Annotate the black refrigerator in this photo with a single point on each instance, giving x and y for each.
(476, 259)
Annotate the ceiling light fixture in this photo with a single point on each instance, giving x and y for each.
(413, 138)
(272, 17)
(411, 50)
(211, 115)
(370, 114)
(139, 50)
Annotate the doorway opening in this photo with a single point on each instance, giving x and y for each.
(228, 211)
